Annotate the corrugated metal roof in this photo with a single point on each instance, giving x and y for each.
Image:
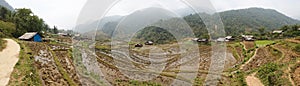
(28, 35)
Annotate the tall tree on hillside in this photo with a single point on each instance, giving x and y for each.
(5, 14)
(26, 21)
(262, 30)
(55, 30)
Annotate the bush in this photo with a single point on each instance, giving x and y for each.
(297, 48)
(2, 44)
(270, 75)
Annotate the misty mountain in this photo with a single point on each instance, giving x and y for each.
(97, 25)
(129, 23)
(236, 22)
(3, 3)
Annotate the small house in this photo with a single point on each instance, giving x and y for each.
(229, 38)
(63, 34)
(32, 36)
(149, 43)
(202, 40)
(277, 31)
(138, 45)
(299, 29)
(248, 38)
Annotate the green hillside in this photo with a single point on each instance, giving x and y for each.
(236, 22)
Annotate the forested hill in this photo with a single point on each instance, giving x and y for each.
(236, 22)
(254, 18)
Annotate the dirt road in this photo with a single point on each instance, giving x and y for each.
(8, 59)
(253, 81)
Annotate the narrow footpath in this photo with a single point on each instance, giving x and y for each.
(8, 59)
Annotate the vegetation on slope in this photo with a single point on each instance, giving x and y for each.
(256, 21)
(25, 73)
(156, 34)
(271, 75)
(2, 44)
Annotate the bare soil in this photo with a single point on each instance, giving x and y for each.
(249, 44)
(253, 81)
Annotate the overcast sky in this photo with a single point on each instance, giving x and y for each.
(64, 13)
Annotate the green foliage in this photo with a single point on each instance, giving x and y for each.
(5, 14)
(263, 43)
(198, 82)
(270, 75)
(25, 70)
(297, 48)
(156, 34)
(55, 30)
(291, 30)
(7, 29)
(19, 22)
(26, 21)
(2, 44)
(238, 79)
(253, 19)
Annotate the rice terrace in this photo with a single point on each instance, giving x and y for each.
(157, 43)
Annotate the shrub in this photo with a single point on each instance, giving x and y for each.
(297, 48)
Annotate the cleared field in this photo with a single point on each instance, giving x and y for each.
(263, 43)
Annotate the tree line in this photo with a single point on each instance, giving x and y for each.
(16, 23)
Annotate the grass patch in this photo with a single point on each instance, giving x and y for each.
(2, 44)
(238, 79)
(271, 75)
(263, 43)
(25, 73)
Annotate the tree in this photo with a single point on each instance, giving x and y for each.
(262, 30)
(55, 30)
(26, 21)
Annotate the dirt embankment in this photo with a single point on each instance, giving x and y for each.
(8, 59)
(253, 81)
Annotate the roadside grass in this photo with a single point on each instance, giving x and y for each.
(237, 79)
(2, 44)
(25, 73)
(263, 43)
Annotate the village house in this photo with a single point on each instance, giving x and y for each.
(229, 38)
(248, 37)
(63, 34)
(277, 31)
(149, 43)
(200, 40)
(31, 36)
(138, 45)
(299, 29)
